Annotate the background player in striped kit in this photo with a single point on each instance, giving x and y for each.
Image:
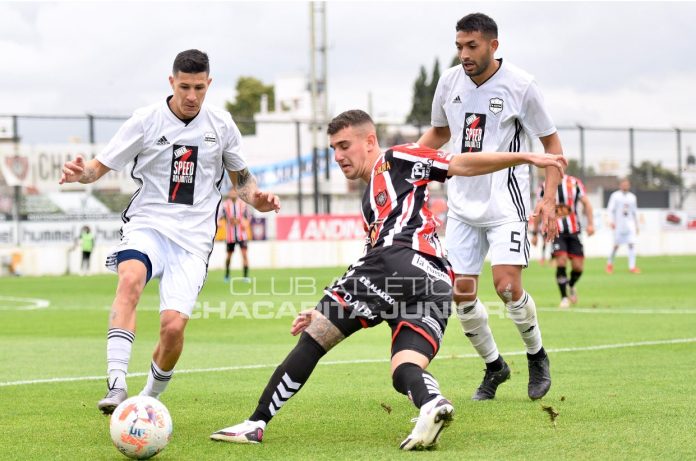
(402, 279)
(568, 245)
(179, 149)
(236, 216)
(490, 105)
(623, 213)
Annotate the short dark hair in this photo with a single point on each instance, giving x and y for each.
(191, 62)
(478, 22)
(354, 117)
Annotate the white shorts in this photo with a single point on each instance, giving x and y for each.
(624, 238)
(468, 245)
(181, 274)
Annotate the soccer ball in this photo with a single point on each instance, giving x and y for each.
(141, 427)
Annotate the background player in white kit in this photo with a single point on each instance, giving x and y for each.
(489, 105)
(623, 213)
(180, 150)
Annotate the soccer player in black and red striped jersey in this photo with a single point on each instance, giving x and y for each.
(569, 193)
(403, 278)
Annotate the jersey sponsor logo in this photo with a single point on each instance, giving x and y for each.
(182, 179)
(209, 138)
(386, 166)
(456, 100)
(495, 105)
(162, 141)
(433, 272)
(474, 130)
(381, 198)
(376, 290)
(421, 170)
(373, 232)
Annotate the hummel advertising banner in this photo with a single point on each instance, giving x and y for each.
(320, 227)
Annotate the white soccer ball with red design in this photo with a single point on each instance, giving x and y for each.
(141, 427)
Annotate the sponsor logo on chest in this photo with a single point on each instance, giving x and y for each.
(474, 131)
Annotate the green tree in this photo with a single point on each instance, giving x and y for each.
(435, 77)
(653, 176)
(422, 101)
(455, 61)
(248, 102)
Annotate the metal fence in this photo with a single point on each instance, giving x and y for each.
(304, 174)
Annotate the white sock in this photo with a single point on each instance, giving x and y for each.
(118, 351)
(474, 319)
(631, 257)
(523, 313)
(157, 380)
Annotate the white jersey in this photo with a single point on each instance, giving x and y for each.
(497, 116)
(623, 210)
(178, 167)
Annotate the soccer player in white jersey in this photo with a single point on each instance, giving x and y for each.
(623, 213)
(179, 149)
(490, 105)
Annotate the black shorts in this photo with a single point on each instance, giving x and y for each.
(86, 255)
(407, 289)
(568, 244)
(242, 244)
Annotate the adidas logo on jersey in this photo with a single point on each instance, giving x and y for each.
(162, 141)
(456, 100)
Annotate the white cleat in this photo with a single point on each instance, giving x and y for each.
(434, 417)
(565, 303)
(112, 399)
(573, 295)
(246, 432)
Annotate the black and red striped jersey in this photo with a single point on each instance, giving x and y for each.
(395, 203)
(570, 191)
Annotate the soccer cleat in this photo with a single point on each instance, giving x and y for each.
(573, 295)
(635, 270)
(490, 383)
(539, 378)
(246, 432)
(610, 268)
(565, 303)
(434, 417)
(227, 279)
(112, 399)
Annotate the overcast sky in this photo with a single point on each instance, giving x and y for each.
(597, 63)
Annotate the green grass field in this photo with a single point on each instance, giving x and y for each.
(623, 363)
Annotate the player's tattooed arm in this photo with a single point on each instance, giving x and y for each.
(78, 170)
(245, 183)
(248, 190)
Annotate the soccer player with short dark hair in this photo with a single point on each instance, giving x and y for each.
(487, 104)
(403, 278)
(180, 149)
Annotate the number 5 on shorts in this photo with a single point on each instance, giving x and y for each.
(515, 238)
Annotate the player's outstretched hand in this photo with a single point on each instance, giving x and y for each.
(548, 226)
(266, 201)
(543, 160)
(590, 230)
(302, 321)
(72, 170)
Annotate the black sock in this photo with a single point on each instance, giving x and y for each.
(227, 271)
(288, 378)
(574, 277)
(538, 356)
(246, 271)
(495, 365)
(562, 280)
(410, 379)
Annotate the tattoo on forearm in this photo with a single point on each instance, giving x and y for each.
(88, 175)
(245, 183)
(325, 333)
